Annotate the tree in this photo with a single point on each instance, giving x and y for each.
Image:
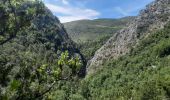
(28, 73)
(34, 83)
(13, 17)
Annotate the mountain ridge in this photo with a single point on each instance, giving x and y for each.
(85, 30)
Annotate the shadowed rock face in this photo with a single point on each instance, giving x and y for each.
(154, 17)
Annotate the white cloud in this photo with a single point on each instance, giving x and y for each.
(72, 13)
(65, 2)
(64, 19)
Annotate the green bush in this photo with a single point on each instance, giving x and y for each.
(141, 75)
(163, 49)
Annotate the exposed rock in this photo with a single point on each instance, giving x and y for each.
(154, 17)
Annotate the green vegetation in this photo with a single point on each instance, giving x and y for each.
(13, 18)
(35, 53)
(141, 75)
(38, 61)
(35, 82)
(89, 48)
(90, 35)
(90, 30)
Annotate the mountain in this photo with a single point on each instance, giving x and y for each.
(38, 60)
(87, 30)
(154, 17)
(90, 35)
(35, 51)
(142, 70)
(142, 74)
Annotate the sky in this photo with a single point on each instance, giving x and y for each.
(71, 10)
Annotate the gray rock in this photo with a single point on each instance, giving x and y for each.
(154, 17)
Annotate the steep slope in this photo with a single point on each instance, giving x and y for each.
(90, 35)
(86, 30)
(89, 48)
(143, 74)
(154, 17)
(31, 53)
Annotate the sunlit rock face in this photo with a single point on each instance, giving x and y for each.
(153, 17)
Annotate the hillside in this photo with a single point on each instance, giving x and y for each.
(35, 51)
(154, 17)
(39, 60)
(87, 30)
(134, 63)
(142, 74)
(90, 35)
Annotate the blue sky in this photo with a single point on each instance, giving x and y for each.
(71, 10)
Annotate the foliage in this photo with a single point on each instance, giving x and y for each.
(90, 30)
(141, 75)
(90, 35)
(89, 48)
(39, 61)
(34, 81)
(35, 52)
(14, 17)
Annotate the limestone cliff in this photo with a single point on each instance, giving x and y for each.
(153, 17)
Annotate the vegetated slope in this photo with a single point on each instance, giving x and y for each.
(89, 48)
(31, 42)
(143, 74)
(90, 35)
(154, 17)
(85, 30)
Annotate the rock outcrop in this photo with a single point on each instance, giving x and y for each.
(154, 17)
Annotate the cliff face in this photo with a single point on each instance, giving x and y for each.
(154, 17)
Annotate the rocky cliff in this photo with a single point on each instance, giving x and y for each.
(153, 17)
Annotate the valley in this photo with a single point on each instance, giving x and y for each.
(90, 35)
(101, 59)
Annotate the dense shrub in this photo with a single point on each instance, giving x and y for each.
(163, 49)
(141, 75)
